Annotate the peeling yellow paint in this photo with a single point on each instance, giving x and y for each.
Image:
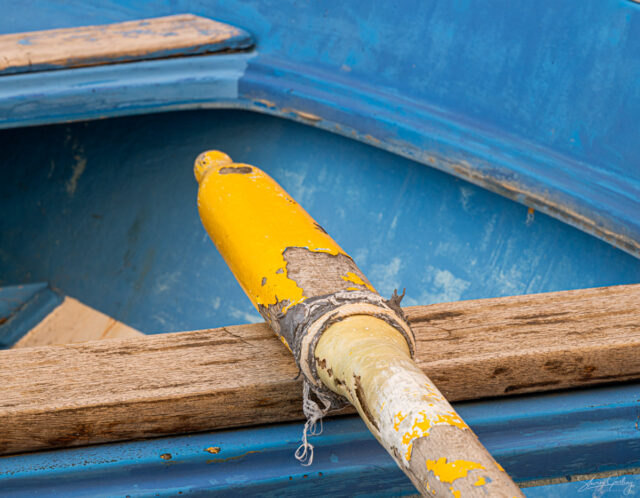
(252, 221)
(420, 428)
(407, 454)
(433, 393)
(397, 420)
(352, 277)
(450, 471)
(455, 492)
(451, 418)
(284, 341)
(480, 482)
(423, 423)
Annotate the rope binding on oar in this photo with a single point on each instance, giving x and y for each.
(303, 326)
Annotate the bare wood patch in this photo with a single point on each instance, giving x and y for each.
(155, 38)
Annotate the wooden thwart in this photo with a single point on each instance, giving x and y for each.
(74, 321)
(155, 38)
(123, 389)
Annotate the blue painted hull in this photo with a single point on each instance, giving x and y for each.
(535, 437)
(106, 212)
(519, 103)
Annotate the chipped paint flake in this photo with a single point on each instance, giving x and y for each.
(450, 471)
(284, 341)
(451, 418)
(424, 422)
(352, 277)
(397, 420)
(78, 169)
(307, 115)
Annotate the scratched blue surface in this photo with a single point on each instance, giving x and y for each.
(538, 103)
(533, 437)
(105, 211)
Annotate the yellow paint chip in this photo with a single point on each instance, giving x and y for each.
(450, 471)
(284, 341)
(420, 428)
(480, 482)
(397, 420)
(452, 419)
(352, 277)
(407, 455)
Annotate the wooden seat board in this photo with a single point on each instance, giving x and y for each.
(155, 38)
(122, 389)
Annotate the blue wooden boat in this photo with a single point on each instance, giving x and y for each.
(480, 151)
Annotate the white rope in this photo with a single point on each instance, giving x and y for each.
(313, 425)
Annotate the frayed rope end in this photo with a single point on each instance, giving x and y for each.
(313, 426)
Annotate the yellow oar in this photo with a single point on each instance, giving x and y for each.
(349, 343)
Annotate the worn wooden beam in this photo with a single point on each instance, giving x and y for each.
(159, 37)
(123, 389)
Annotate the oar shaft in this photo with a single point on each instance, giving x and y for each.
(368, 362)
(347, 340)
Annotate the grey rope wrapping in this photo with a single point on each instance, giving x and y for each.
(302, 327)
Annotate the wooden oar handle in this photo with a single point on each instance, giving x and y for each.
(348, 341)
(295, 274)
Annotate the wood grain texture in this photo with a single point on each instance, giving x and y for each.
(73, 322)
(235, 376)
(121, 42)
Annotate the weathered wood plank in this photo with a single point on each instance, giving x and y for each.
(233, 376)
(155, 38)
(73, 322)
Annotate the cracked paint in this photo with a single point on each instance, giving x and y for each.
(352, 277)
(450, 471)
(234, 208)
